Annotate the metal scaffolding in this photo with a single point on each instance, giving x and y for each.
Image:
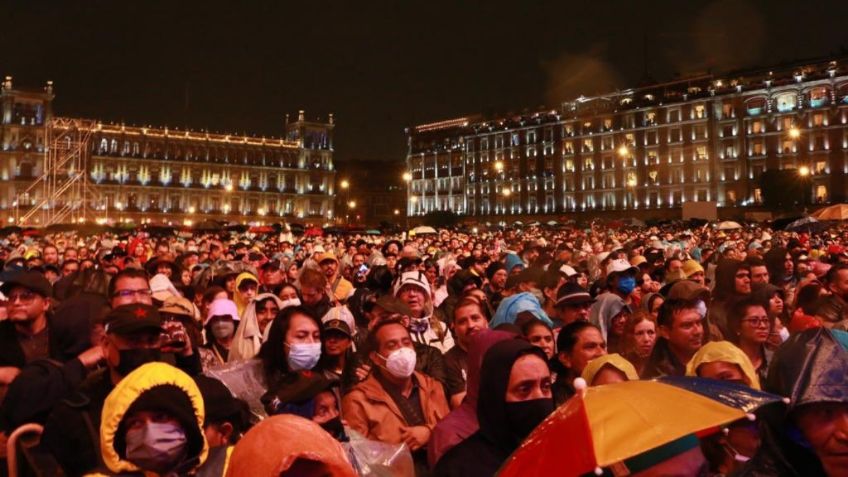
(62, 193)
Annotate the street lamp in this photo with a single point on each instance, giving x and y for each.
(499, 166)
(794, 132)
(803, 171)
(506, 192)
(623, 151)
(228, 187)
(407, 177)
(344, 184)
(352, 204)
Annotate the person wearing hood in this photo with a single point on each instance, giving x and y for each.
(809, 437)
(461, 423)
(781, 269)
(288, 445)
(253, 327)
(132, 338)
(496, 274)
(609, 369)
(425, 328)
(733, 281)
(220, 324)
(247, 286)
(514, 397)
(610, 313)
(724, 361)
(153, 424)
(395, 404)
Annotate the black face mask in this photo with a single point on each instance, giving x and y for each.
(524, 416)
(129, 359)
(335, 428)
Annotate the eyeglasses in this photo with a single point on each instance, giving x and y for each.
(24, 297)
(758, 322)
(144, 292)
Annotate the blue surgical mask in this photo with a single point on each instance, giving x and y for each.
(626, 285)
(303, 356)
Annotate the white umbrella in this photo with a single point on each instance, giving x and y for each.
(728, 225)
(834, 212)
(422, 230)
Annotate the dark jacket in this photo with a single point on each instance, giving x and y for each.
(724, 294)
(663, 362)
(487, 449)
(809, 368)
(55, 378)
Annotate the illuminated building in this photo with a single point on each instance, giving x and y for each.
(154, 174)
(704, 138)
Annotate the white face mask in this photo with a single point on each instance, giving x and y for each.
(401, 362)
(303, 356)
(290, 302)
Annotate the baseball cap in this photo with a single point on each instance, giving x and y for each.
(415, 278)
(571, 294)
(339, 318)
(620, 265)
(326, 256)
(132, 318)
(29, 279)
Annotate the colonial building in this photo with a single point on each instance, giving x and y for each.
(370, 191)
(703, 138)
(153, 174)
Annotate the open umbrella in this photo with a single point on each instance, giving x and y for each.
(373, 232)
(607, 425)
(423, 230)
(732, 394)
(728, 225)
(834, 212)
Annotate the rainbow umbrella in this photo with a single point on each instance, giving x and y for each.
(603, 426)
(735, 395)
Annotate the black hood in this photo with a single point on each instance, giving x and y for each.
(774, 259)
(494, 378)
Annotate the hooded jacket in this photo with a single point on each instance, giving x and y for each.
(248, 338)
(143, 381)
(241, 300)
(511, 306)
(808, 368)
(462, 421)
(605, 308)
(272, 446)
(486, 450)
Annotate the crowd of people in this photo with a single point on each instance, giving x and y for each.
(450, 347)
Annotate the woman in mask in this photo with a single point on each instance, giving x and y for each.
(252, 330)
(153, 424)
(220, 326)
(293, 345)
(288, 294)
(515, 396)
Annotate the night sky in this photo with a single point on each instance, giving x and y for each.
(240, 66)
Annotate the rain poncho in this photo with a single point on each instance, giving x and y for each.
(723, 351)
(248, 337)
(511, 306)
(614, 360)
(605, 308)
(238, 297)
(808, 368)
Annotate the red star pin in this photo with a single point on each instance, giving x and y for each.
(140, 313)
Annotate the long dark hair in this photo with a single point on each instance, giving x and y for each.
(272, 354)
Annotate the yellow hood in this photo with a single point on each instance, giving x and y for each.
(127, 391)
(241, 301)
(723, 351)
